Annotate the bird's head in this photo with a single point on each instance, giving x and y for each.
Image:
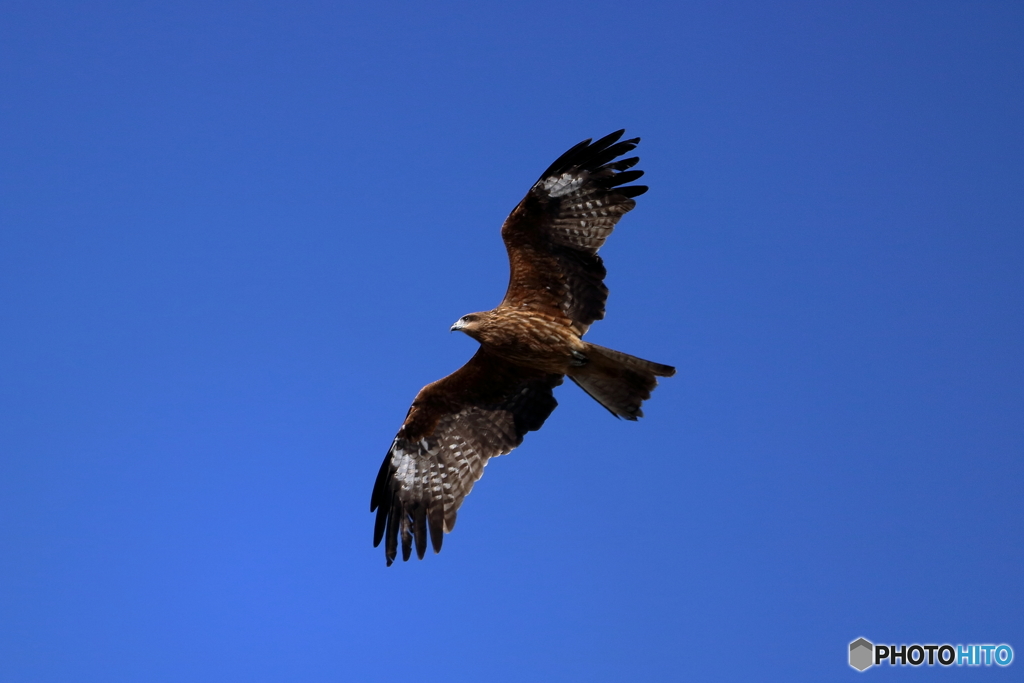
(470, 323)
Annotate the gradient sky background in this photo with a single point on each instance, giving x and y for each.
(233, 237)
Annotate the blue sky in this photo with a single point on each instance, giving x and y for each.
(233, 237)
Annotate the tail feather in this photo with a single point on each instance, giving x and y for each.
(618, 381)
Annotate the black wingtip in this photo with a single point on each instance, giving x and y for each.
(381, 499)
(419, 527)
(406, 539)
(593, 155)
(624, 177)
(632, 191)
(564, 159)
(379, 525)
(608, 140)
(391, 537)
(435, 521)
(380, 484)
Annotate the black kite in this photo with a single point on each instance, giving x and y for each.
(527, 344)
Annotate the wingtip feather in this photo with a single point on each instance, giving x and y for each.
(632, 191)
(435, 519)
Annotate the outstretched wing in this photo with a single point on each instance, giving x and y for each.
(454, 425)
(553, 235)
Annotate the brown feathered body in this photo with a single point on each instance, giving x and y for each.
(526, 338)
(527, 345)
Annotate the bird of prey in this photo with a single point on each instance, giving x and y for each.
(527, 345)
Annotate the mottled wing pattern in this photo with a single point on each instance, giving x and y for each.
(553, 235)
(454, 426)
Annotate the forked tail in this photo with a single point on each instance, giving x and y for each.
(618, 381)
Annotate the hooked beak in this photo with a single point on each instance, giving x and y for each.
(457, 326)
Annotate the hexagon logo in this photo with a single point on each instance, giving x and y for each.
(862, 654)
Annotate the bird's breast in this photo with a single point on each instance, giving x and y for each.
(532, 340)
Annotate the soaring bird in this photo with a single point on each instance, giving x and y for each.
(527, 345)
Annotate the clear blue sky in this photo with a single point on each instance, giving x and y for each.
(233, 237)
